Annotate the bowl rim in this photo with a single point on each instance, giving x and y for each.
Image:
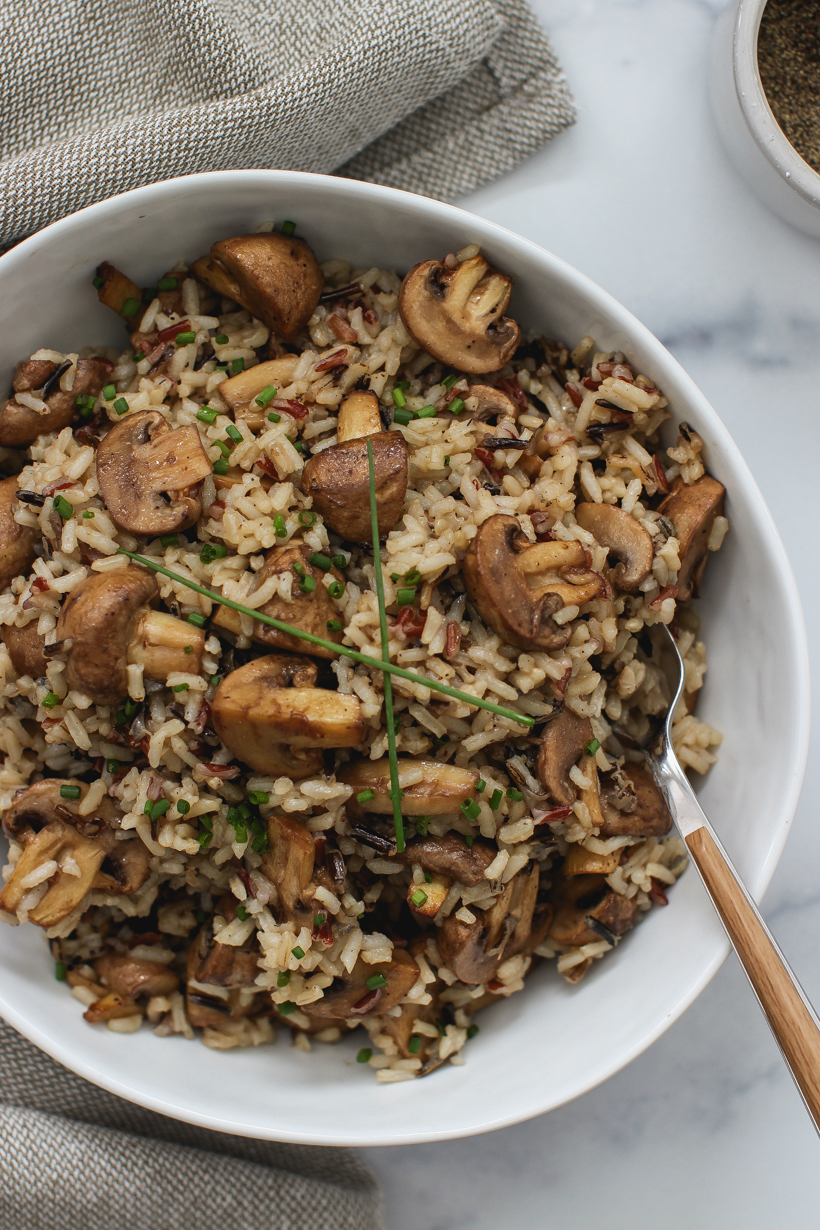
(794, 634)
(756, 109)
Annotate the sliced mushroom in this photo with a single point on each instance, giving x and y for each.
(34, 808)
(402, 1029)
(359, 416)
(106, 624)
(281, 730)
(131, 977)
(649, 817)
(587, 910)
(450, 856)
(310, 610)
(692, 510)
(25, 646)
(581, 862)
(493, 403)
(427, 899)
(16, 541)
(562, 744)
(289, 866)
(457, 315)
(443, 788)
(338, 479)
(21, 425)
(352, 997)
(220, 977)
(497, 570)
(240, 392)
(474, 951)
(118, 292)
(625, 537)
(276, 277)
(149, 474)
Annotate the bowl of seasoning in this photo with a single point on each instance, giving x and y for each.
(765, 89)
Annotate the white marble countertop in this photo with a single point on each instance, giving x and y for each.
(705, 1129)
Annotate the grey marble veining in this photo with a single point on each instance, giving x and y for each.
(705, 1129)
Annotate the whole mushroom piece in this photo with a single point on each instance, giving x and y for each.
(497, 568)
(693, 509)
(443, 788)
(278, 729)
(289, 866)
(457, 315)
(474, 951)
(563, 742)
(25, 646)
(338, 481)
(16, 541)
(149, 474)
(20, 425)
(353, 997)
(106, 624)
(240, 392)
(625, 537)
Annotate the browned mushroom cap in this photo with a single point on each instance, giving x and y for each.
(351, 996)
(643, 815)
(586, 910)
(130, 976)
(289, 866)
(359, 416)
(692, 510)
(457, 315)
(25, 646)
(562, 745)
(20, 425)
(281, 730)
(240, 391)
(118, 292)
(625, 537)
(474, 951)
(105, 624)
(442, 790)
(57, 841)
(497, 565)
(149, 475)
(39, 805)
(309, 611)
(492, 404)
(276, 277)
(16, 541)
(450, 856)
(338, 479)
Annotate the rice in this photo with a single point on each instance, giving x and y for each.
(208, 882)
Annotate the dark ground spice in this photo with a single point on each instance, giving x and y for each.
(788, 53)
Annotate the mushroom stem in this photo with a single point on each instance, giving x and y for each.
(163, 644)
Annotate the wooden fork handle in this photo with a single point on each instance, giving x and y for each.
(789, 1013)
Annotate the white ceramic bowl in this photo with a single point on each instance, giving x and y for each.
(552, 1042)
(754, 141)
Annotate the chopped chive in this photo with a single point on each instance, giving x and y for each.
(267, 394)
(336, 589)
(258, 797)
(306, 517)
(456, 406)
(97, 282)
(112, 766)
(185, 338)
(59, 971)
(469, 842)
(592, 747)
(297, 952)
(183, 807)
(412, 577)
(181, 687)
(298, 445)
(130, 707)
(471, 809)
(364, 796)
(206, 415)
(221, 466)
(428, 877)
(224, 448)
(395, 576)
(299, 569)
(375, 982)
(237, 366)
(319, 919)
(399, 399)
(446, 461)
(87, 515)
(283, 977)
(480, 786)
(196, 619)
(364, 1055)
(274, 418)
(146, 811)
(215, 681)
(321, 561)
(440, 742)
(159, 808)
(288, 228)
(421, 823)
(233, 433)
(340, 561)
(414, 1045)
(121, 405)
(167, 284)
(334, 625)
(69, 792)
(402, 384)
(514, 794)
(472, 1030)
(130, 307)
(418, 898)
(402, 416)
(211, 551)
(242, 913)
(169, 540)
(449, 381)
(405, 597)
(426, 412)
(307, 584)
(495, 801)
(62, 506)
(221, 339)
(109, 391)
(279, 526)
(287, 1008)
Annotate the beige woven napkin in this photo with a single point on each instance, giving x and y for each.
(99, 96)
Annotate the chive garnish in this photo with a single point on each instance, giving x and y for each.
(375, 982)
(592, 747)
(477, 702)
(69, 792)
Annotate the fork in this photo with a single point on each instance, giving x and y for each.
(792, 1019)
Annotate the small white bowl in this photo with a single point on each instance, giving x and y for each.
(551, 1042)
(755, 142)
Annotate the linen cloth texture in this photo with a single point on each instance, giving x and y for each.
(74, 1156)
(100, 96)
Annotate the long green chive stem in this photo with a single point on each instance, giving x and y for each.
(395, 792)
(477, 702)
